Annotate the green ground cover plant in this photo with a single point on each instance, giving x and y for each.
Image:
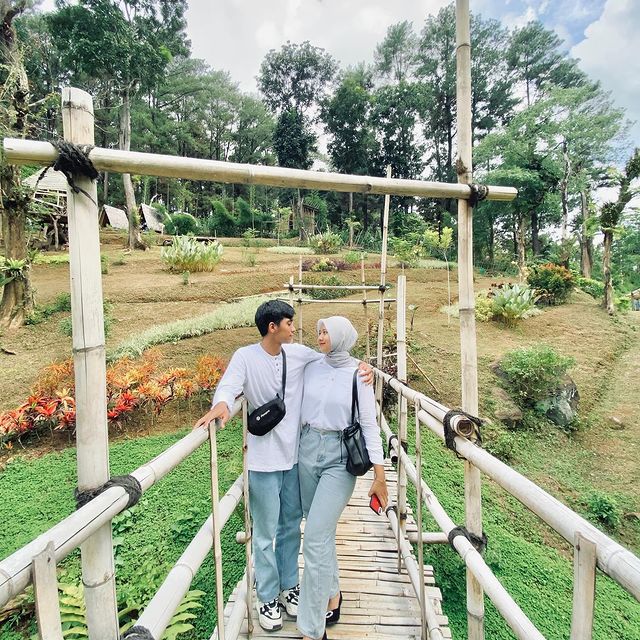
(290, 250)
(227, 316)
(187, 254)
(40, 313)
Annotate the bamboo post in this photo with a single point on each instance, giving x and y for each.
(300, 301)
(383, 276)
(45, 586)
(291, 301)
(98, 573)
(364, 304)
(584, 586)
(247, 519)
(401, 331)
(423, 606)
(217, 548)
(468, 349)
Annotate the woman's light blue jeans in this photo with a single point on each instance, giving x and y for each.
(274, 497)
(325, 488)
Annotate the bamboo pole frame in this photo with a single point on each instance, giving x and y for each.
(89, 359)
(468, 348)
(364, 302)
(247, 519)
(505, 604)
(217, 526)
(45, 587)
(612, 558)
(18, 151)
(423, 605)
(300, 301)
(236, 616)
(336, 301)
(584, 587)
(344, 287)
(15, 570)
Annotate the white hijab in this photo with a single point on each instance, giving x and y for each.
(343, 336)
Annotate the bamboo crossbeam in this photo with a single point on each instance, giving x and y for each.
(19, 151)
(523, 628)
(613, 559)
(337, 301)
(70, 533)
(350, 287)
(428, 537)
(416, 576)
(162, 607)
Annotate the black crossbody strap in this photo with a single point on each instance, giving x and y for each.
(284, 371)
(354, 397)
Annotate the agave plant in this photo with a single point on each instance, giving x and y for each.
(513, 303)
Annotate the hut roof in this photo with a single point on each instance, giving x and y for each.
(117, 218)
(53, 181)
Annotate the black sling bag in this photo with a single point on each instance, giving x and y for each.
(358, 462)
(269, 415)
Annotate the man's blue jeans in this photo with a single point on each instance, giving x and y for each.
(326, 487)
(274, 497)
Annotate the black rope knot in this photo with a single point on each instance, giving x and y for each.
(137, 633)
(128, 483)
(479, 542)
(450, 433)
(478, 193)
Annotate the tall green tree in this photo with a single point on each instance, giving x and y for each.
(395, 56)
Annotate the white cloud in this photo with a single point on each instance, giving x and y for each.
(610, 53)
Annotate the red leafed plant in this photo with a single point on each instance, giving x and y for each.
(132, 385)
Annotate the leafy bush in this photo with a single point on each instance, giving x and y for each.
(407, 253)
(552, 282)
(327, 242)
(62, 302)
(181, 224)
(512, 303)
(187, 254)
(221, 222)
(604, 509)
(104, 264)
(483, 307)
(532, 372)
(500, 446)
(66, 324)
(594, 288)
(329, 294)
(353, 257)
(249, 237)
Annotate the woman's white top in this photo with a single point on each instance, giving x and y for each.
(258, 375)
(326, 404)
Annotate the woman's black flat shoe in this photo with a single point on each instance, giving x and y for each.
(333, 615)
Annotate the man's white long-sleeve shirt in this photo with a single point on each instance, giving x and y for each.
(327, 404)
(258, 375)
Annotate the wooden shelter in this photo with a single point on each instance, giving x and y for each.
(151, 218)
(114, 217)
(50, 203)
(294, 220)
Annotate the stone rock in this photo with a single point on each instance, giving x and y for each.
(507, 411)
(561, 406)
(616, 424)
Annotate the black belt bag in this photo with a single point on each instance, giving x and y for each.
(358, 462)
(267, 416)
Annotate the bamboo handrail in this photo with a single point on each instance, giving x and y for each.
(351, 287)
(68, 534)
(613, 559)
(18, 151)
(505, 604)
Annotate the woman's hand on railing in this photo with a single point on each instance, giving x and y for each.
(220, 410)
(379, 485)
(366, 373)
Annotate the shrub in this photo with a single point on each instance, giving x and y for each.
(532, 372)
(353, 257)
(327, 242)
(594, 288)
(221, 222)
(501, 445)
(187, 254)
(181, 224)
(66, 324)
(483, 307)
(62, 302)
(407, 254)
(512, 303)
(552, 282)
(604, 509)
(249, 237)
(329, 294)
(104, 264)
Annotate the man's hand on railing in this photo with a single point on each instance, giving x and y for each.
(220, 410)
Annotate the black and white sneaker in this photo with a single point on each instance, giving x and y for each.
(289, 600)
(269, 615)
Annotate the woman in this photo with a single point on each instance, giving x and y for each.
(325, 483)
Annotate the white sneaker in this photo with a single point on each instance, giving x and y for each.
(269, 615)
(289, 600)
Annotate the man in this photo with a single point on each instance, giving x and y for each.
(272, 459)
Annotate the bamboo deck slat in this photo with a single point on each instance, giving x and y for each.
(379, 603)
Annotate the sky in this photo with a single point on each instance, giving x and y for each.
(235, 35)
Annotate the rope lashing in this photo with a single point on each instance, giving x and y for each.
(128, 483)
(478, 193)
(479, 542)
(73, 160)
(137, 633)
(471, 432)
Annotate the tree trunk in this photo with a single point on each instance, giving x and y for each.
(135, 239)
(492, 241)
(606, 267)
(564, 192)
(522, 250)
(365, 216)
(535, 233)
(586, 241)
(17, 296)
